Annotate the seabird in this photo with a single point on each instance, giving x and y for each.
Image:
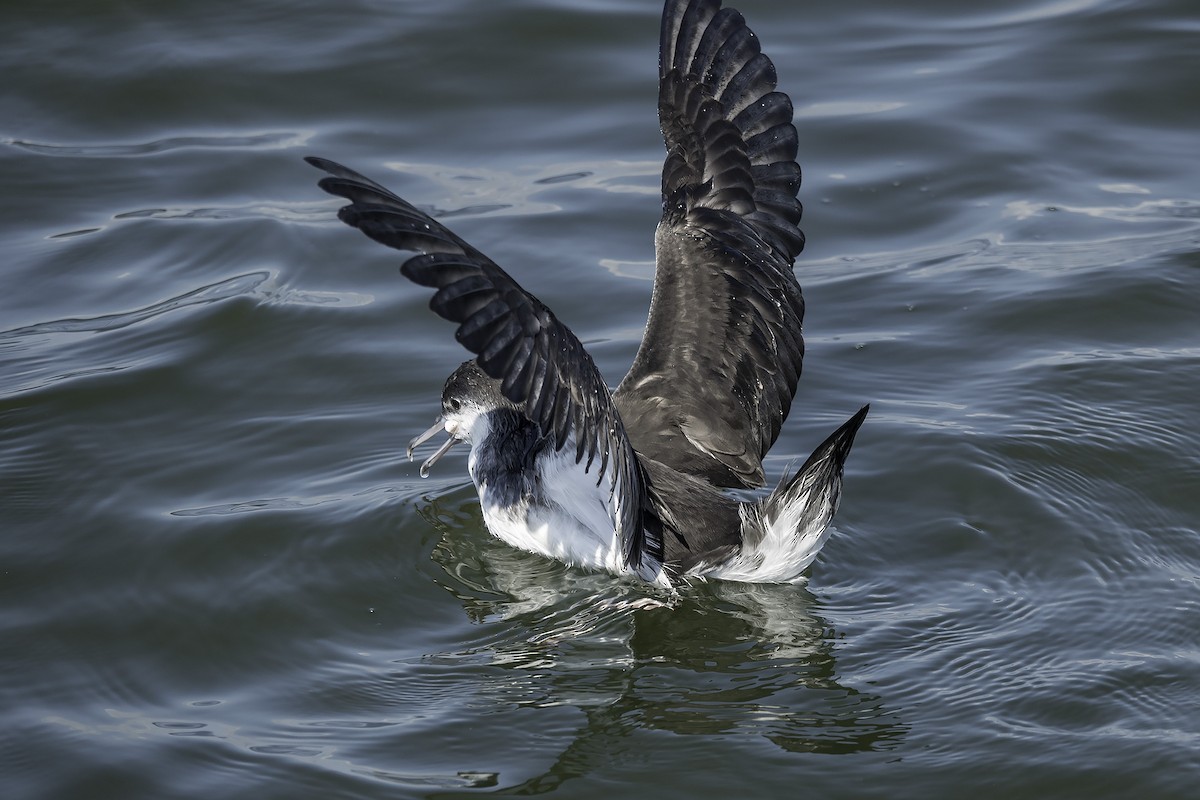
(643, 480)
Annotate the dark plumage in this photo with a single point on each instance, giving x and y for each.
(714, 377)
(718, 366)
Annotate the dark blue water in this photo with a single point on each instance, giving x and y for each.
(220, 578)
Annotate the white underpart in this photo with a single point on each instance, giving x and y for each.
(574, 524)
(786, 548)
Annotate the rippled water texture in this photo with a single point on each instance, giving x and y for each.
(220, 578)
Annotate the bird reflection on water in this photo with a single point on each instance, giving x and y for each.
(715, 658)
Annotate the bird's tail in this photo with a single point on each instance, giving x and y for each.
(792, 523)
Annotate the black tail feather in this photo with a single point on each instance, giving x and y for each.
(820, 477)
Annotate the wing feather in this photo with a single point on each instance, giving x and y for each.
(717, 369)
(539, 363)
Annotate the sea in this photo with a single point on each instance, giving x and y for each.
(220, 576)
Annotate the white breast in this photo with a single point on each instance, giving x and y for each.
(574, 521)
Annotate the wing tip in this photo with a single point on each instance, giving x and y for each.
(729, 132)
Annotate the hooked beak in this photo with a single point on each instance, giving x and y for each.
(437, 428)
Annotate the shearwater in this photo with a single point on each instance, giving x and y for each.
(642, 480)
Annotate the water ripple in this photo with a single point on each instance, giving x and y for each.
(261, 141)
(212, 293)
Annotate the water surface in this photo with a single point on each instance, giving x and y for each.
(220, 578)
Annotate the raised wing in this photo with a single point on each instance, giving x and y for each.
(717, 369)
(540, 364)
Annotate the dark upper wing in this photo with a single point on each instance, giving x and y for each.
(540, 364)
(717, 369)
